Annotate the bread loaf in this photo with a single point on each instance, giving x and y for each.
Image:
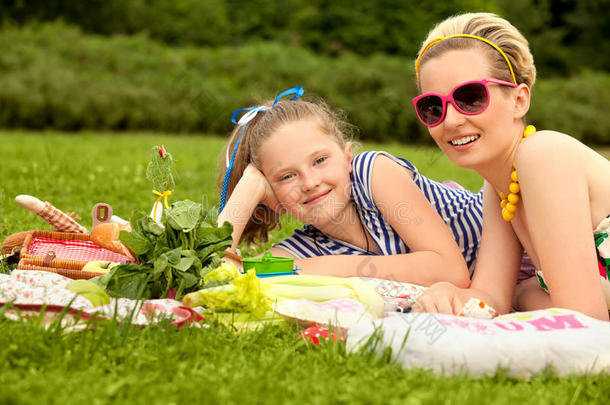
(106, 235)
(13, 243)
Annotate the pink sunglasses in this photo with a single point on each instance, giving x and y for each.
(469, 98)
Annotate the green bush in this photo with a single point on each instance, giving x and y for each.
(330, 27)
(578, 106)
(562, 33)
(54, 76)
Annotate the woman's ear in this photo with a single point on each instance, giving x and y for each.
(522, 101)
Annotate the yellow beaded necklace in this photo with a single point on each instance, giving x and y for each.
(509, 204)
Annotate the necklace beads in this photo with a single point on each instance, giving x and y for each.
(509, 203)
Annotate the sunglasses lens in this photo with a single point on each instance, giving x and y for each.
(471, 98)
(430, 109)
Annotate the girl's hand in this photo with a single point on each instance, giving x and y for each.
(267, 196)
(231, 256)
(442, 297)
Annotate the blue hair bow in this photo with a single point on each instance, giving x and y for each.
(243, 121)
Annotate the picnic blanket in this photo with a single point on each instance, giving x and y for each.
(31, 290)
(477, 342)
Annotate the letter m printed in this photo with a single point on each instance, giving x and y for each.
(558, 322)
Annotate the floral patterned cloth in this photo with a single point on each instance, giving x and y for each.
(397, 296)
(30, 287)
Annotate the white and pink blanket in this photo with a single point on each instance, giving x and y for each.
(30, 290)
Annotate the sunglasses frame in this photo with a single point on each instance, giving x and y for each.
(449, 98)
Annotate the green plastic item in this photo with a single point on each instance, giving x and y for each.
(268, 264)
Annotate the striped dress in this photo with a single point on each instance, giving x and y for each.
(461, 210)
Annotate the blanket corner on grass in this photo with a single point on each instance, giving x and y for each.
(33, 289)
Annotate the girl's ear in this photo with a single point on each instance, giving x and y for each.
(522, 101)
(348, 154)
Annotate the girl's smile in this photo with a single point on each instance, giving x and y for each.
(308, 171)
(317, 198)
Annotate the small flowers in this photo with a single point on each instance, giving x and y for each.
(314, 333)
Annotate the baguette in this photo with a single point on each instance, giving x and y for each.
(61, 221)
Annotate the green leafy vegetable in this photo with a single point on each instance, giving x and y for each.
(245, 293)
(222, 274)
(174, 260)
(159, 170)
(184, 215)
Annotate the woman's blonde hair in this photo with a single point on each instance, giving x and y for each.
(256, 132)
(492, 28)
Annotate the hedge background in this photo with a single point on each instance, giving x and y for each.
(186, 65)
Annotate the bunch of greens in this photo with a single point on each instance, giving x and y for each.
(159, 169)
(171, 260)
(233, 292)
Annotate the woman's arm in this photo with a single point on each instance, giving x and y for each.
(435, 255)
(496, 268)
(499, 257)
(555, 195)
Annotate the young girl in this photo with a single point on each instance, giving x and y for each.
(544, 191)
(293, 157)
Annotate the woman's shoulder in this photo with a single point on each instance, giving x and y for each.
(545, 153)
(548, 140)
(546, 146)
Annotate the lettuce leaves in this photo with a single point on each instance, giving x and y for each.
(172, 261)
(245, 293)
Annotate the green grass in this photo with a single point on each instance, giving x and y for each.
(117, 364)
(76, 171)
(214, 365)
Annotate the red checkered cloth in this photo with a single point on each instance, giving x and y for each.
(74, 250)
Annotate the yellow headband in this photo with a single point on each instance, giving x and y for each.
(439, 39)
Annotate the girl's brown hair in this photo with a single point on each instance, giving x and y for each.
(256, 132)
(492, 28)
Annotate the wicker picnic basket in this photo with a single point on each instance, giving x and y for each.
(80, 250)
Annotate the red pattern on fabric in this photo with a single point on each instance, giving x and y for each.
(603, 271)
(74, 250)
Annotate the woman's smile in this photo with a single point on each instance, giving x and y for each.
(464, 142)
(472, 141)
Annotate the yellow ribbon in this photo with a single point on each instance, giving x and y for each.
(163, 196)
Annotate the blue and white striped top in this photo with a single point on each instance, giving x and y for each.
(461, 210)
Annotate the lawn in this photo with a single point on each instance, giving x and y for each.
(118, 364)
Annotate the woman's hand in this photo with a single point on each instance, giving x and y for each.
(442, 297)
